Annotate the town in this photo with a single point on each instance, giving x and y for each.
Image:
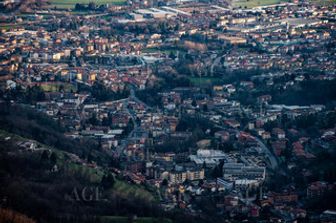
(223, 110)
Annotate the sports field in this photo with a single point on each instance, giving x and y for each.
(72, 3)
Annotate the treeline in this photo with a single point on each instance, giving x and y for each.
(30, 95)
(309, 92)
(150, 96)
(101, 93)
(90, 7)
(140, 28)
(167, 82)
(196, 125)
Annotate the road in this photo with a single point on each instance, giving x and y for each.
(132, 97)
(136, 99)
(272, 160)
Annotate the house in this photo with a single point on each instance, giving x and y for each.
(279, 133)
(318, 189)
(286, 197)
(264, 98)
(224, 136)
(278, 146)
(266, 135)
(232, 123)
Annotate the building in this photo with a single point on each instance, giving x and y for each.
(208, 157)
(182, 173)
(241, 171)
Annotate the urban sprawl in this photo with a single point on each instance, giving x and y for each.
(208, 104)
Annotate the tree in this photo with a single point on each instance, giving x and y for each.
(78, 7)
(45, 156)
(90, 157)
(193, 103)
(93, 119)
(129, 126)
(205, 108)
(106, 121)
(218, 170)
(102, 93)
(33, 95)
(53, 158)
(107, 181)
(172, 55)
(92, 6)
(164, 182)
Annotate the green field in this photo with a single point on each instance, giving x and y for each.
(204, 81)
(137, 191)
(255, 3)
(56, 87)
(72, 3)
(324, 2)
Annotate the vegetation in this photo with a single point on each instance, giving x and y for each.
(72, 3)
(196, 125)
(28, 96)
(135, 191)
(31, 184)
(255, 3)
(7, 215)
(50, 195)
(150, 95)
(100, 92)
(323, 2)
(204, 81)
(56, 87)
(119, 219)
(305, 93)
(28, 123)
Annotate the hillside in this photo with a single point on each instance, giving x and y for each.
(48, 185)
(51, 178)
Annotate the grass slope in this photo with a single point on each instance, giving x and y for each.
(26, 175)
